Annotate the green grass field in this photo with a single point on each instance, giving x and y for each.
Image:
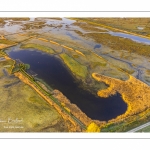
(77, 68)
(22, 109)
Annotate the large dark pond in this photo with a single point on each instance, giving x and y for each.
(54, 73)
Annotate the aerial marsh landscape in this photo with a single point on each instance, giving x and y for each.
(74, 74)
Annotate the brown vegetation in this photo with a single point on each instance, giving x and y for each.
(74, 109)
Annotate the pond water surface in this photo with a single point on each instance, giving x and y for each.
(54, 73)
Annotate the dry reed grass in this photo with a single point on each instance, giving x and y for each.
(134, 92)
(79, 53)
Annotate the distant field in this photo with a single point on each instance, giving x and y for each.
(136, 25)
(114, 42)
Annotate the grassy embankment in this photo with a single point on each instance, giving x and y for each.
(14, 104)
(50, 99)
(117, 43)
(63, 110)
(40, 89)
(26, 78)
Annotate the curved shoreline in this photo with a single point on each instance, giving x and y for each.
(134, 92)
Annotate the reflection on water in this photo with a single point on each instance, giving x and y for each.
(55, 74)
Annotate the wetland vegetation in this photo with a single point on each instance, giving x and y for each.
(83, 78)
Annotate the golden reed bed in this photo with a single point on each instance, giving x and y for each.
(134, 92)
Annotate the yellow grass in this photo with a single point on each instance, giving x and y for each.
(65, 102)
(54, 42)
(67, 109)
(67, 47)
(42, 39)
(134, 92)
(79, 53)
